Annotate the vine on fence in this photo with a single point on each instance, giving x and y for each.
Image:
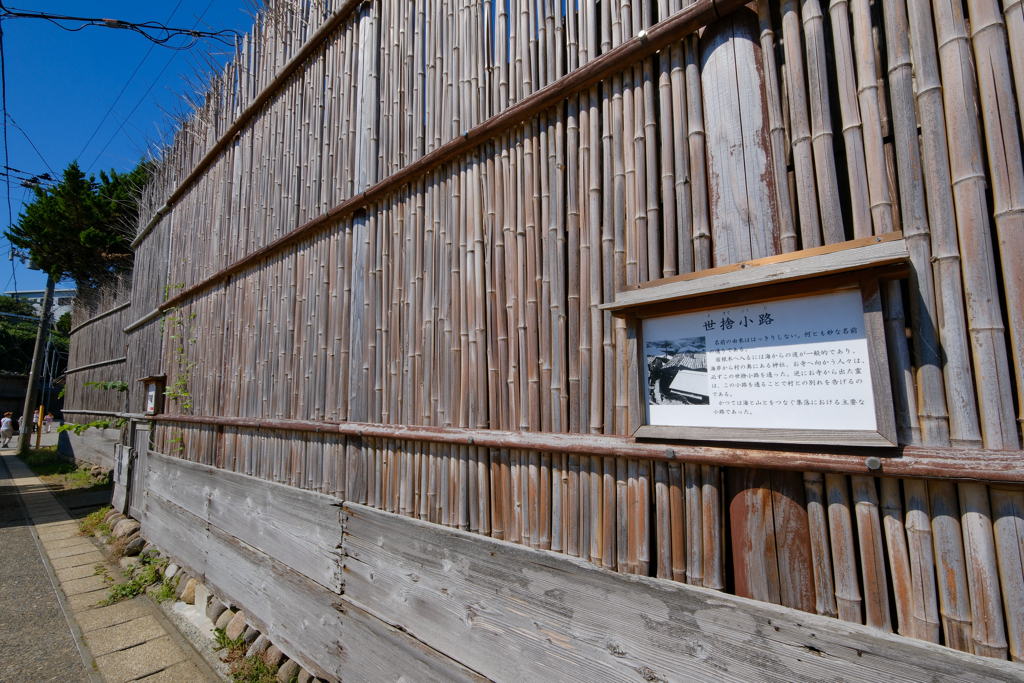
(182, 335)
(120, 386)
(79, 429)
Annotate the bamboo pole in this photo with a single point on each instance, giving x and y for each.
(932, 409)
(840, 526)
(857, 174)
(899, 562)
(817, 518)
(788, 240)
(821, 124)
(803, 163)
(1006, 177)
(971, 207)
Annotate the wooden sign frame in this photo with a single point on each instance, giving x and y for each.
(815, 273)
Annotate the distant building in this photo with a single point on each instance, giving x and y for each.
(62, 299)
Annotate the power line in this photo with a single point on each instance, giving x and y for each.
(118, 98)
(159, 33)
(3, 103)
(145, 95)
(22, 131)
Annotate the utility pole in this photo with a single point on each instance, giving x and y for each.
(25, 427)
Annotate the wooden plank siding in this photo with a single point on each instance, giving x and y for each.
(518, 614)
(426, 603)
(301, 529)
(319, 629)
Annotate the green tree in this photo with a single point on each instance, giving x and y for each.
(17, 335)
(82, 229)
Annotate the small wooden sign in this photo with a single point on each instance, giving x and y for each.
(802, 361)
(154, 393)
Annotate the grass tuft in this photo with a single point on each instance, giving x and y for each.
(58, 474)
(223, 642)
(253, 670)
(164, 592)
(141, 577)
(94, 522)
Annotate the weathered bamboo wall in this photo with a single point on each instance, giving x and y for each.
(465, 293)
(98, 348)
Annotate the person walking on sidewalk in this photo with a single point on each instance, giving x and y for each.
(48, 420)
(6, 429)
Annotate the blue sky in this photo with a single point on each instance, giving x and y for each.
(61, 84)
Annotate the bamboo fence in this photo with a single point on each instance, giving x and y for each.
(417, 223)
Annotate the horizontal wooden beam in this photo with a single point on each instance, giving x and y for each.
(959, 464)
(555, 617)
(299, 528)
(308, 49)
(91, 412)
(101, 316)
(862, 254)
(112, 361)
(661, 35)
(322, 631)
(149, 317)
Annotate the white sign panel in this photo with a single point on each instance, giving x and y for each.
(798, 364)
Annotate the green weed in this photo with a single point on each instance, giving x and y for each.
(222, 641)
(143, 575)
(94, 522)
(164, 592)
(59, 474)
(253, 670)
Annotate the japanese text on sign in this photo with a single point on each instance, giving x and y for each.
(787, 364)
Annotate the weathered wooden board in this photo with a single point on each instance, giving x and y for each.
(744, 219)
(320, 630)
(872, 252)
(517, 614)
(301, 529)
(119, 500)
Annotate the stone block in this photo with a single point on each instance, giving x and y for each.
(258, 647)
(110, 515)
(170, 571)
(134, 546)
(182, 585)
(202, 597)
(235, 627)
(126, 527)
(288, 671)
(215, 609)
(305, 677)
(273, 656)
(188, 596)
(224, 619)
(250, 635)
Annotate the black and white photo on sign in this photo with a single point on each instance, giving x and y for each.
(677, 372)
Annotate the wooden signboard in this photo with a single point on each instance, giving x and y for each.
(780, 360)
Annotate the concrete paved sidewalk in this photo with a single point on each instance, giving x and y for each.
(129, 640)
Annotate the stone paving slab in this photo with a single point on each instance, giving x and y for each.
(86, 585)
(93, 558)
(58, 543)
(79, 572)
(123, 636)
(183, 672)
(58, 535)
(118, 613)
(86, 601)
(127, 641)
(142, 660)
(71, 552)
